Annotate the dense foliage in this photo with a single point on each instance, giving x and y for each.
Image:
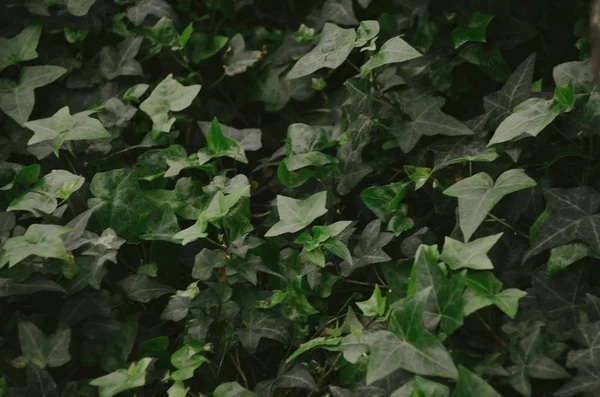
(298, 198)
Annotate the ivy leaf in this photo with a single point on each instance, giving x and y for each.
(42, 197)
(205, 45)
(421, 385)
(248, 138)
(44, 350)
(39, 382)
(187, 359)
(516, 90)
(295, 215)
(384, 200)
(141, 288)
(231, 389)
(168, 96)
(395, 50)
(530, 117)
(39, 240)
(350, 168)
(17, 100)
(565, 255)
(471, 385)
(79, 8)
(11, 287)
(466, 149)
(564, 97)
(472, 255)
(258, 324)
(162, 225)
(120, 61)
(220, 145)
(474, 31)
(369, 250)
(194, 232)
(338, 11)
(21, 47)
(483, 289)
(238, 58)
(427, 119)
(477, 195)
(577, 73)
(445, 303)
(375, 305)
(366, 31)
(334, 47)
(63, 126)
(587, 379)
(409, 345)
(572, 217)
(123, 379)
(157, 8)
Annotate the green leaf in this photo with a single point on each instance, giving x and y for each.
(187, 359)
(17, 99)
(258, 324)
(314, 343)
(384, 200)
(350, 169)
(63, 126)
(474, 31)
(572, 217)
(460, 150)
(334, 47)
(477, 195)
(238, 58)
(123, 379)
(120, 61)
(220, 145)
(408, 346)
(565, 255)
(375, 305)
(79, 8)
(577, 73)
(419, 175)
(564, 97)
(232, 389)
(483, 289)
(295, 215)
(194, 232)
(366, 31)
(471, 385)
(168, 96)
(157, 8)
(42, 197)
(368, 250)
(205, 45)
(417, 384)
(472, 255)
(530, 117)
(141, 288)
(426, 119)
(395, 50)
(39, 240)
(21, 47)
(583, 359)
(44, 350)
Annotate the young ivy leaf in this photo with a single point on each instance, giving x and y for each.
(395, 50)
(123, 379)
(17, 99)
(63, 126)
(334, 47)
(483, 289)
(295, 215)
(187, 359)
(474, 31)
(565, 255)
(417, 386)
(477, 195)
(472, 255)
(44, 350)
(239, 59)
(366, 31)
(530, 117)
(42, 197)
(21, 47)
(471, 385)
(39, 240)
(375, 305)
(220, 145)
(168, 96)
(564, 97)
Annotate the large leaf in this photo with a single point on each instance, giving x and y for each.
(21, 47)
(39, 240)
(395, 50)
(426, 119)
(471, 385)
(572, 217)
(44, 350)
(295, 215)
(483, 289)
(478, 194)
(17, 99)
(168, 96)
(334, 47)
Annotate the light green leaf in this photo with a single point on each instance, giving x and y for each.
(471, 385)
(187, 359)
(79, 8)
(44, 350)
(384, 200)
(21, 47)
(239, 59)
(564, 97)
(530, 117)
(334, 47)
(178, 390)
(483, 289)
(157, 8)
(314, 343)
(231, 389)
(375, 305)
(395, 50)
(577, 73)
(474, 31)
(431, 389)
(42, 197)
(565, 255)
(17, 100)
(168, 96)
(39, 240)
(205, 45)
(123, 379)
(366, 31)
(63, 126)
(477, 195)
(194, 232)
(472, 255)
(295, 215)
(220, 145)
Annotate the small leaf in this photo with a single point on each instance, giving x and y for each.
(239, 59)
(472, 255)
(483, 289)
(231, 389)
(564, 97)
(375, 305)
(295, 215)
(220, 145)
(314, 343)
(474, 31)
(141, 288)
(565, 255)
(157, 8)
(44, 350)
(366, 31)
(334, 47)
(121, 380)
(79, 8)
(471, 385)
(395, 50)
(120, 61)
(21, 47)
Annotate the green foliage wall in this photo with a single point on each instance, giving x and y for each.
(344, 198)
